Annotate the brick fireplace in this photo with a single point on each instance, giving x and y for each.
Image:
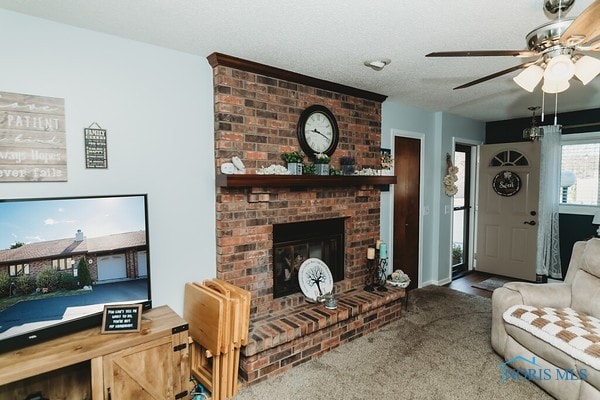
(256, 111)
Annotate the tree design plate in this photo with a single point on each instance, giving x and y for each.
(315, 278)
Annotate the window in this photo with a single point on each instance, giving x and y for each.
(19, 270)
(509, 158)
(580, 167)
(62, 264)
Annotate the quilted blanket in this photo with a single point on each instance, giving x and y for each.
(573, 332)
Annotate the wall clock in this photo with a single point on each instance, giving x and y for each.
(315, 279)
(317, 131)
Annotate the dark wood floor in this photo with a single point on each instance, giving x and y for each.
(463, 284)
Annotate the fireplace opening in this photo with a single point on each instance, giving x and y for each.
(295, 242)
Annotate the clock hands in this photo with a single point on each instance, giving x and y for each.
(316, 131)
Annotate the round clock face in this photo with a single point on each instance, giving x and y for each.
(315, 278)
(317, 131)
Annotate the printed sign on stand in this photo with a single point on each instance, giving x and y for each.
(121, 318)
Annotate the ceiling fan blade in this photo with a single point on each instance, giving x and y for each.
(495, 75)
(484, 53)
(585, 27)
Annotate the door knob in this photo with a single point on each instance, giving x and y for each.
(532, 223)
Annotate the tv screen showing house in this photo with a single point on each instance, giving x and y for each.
(63, 259)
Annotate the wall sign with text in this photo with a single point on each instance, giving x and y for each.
(506, 183)
(95, 147)
(32, 138)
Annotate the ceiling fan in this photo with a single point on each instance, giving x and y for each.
(558, 48)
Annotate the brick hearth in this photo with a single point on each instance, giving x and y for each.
(255, 119)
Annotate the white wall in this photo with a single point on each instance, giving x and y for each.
(157, 107)
(439, 131)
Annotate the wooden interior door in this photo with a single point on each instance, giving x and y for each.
(507, 218)
(407, 167)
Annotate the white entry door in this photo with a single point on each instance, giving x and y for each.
(507, 209)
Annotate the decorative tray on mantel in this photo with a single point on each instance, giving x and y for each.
(249, 180)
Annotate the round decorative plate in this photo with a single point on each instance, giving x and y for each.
(315, 278)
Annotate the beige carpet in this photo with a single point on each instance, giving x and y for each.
(440, 349)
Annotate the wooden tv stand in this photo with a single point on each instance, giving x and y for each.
(91, 365)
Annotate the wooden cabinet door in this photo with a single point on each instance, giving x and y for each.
(150, 371)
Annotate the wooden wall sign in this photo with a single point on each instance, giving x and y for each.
(122, 318)
(95, 147)
(32, 138)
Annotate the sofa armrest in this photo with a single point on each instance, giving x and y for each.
(555, 295)
(544, 295)
(502, 299)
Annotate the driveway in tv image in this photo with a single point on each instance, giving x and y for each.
(43, 312)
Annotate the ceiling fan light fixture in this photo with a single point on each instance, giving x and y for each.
(559, 69)
(529, 78)
(574, 40)
(586, 69)
(551, 86)
(595, 45)
(377, 65)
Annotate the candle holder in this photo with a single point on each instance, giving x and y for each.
(377, 263)
(381, 274)
(370, 282)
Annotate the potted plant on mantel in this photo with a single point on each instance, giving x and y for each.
(321, 162)
(348, 164)
(294, 162)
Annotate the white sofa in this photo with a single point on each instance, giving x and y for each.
(536, 328)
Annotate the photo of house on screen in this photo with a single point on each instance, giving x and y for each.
(109, 258)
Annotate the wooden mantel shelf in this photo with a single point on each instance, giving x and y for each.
(255, 180)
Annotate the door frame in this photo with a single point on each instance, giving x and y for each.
(473, 196)
(421, 137)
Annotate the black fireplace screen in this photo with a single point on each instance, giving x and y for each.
(293, 243)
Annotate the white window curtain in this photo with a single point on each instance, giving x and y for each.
(548, 250)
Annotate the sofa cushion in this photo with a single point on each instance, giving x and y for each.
(573, 332)
(590, 260)
(585, 293)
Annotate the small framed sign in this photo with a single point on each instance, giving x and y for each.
(95, 147)
(122, 318)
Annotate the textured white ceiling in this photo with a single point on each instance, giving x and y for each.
(330, 39)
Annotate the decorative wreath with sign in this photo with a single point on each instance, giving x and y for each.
(506, 183)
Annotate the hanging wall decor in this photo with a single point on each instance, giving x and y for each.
(95, 147)
(506, 183)
(32, 138)
(450, 178)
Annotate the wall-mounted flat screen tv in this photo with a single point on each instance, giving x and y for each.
(63, 259)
